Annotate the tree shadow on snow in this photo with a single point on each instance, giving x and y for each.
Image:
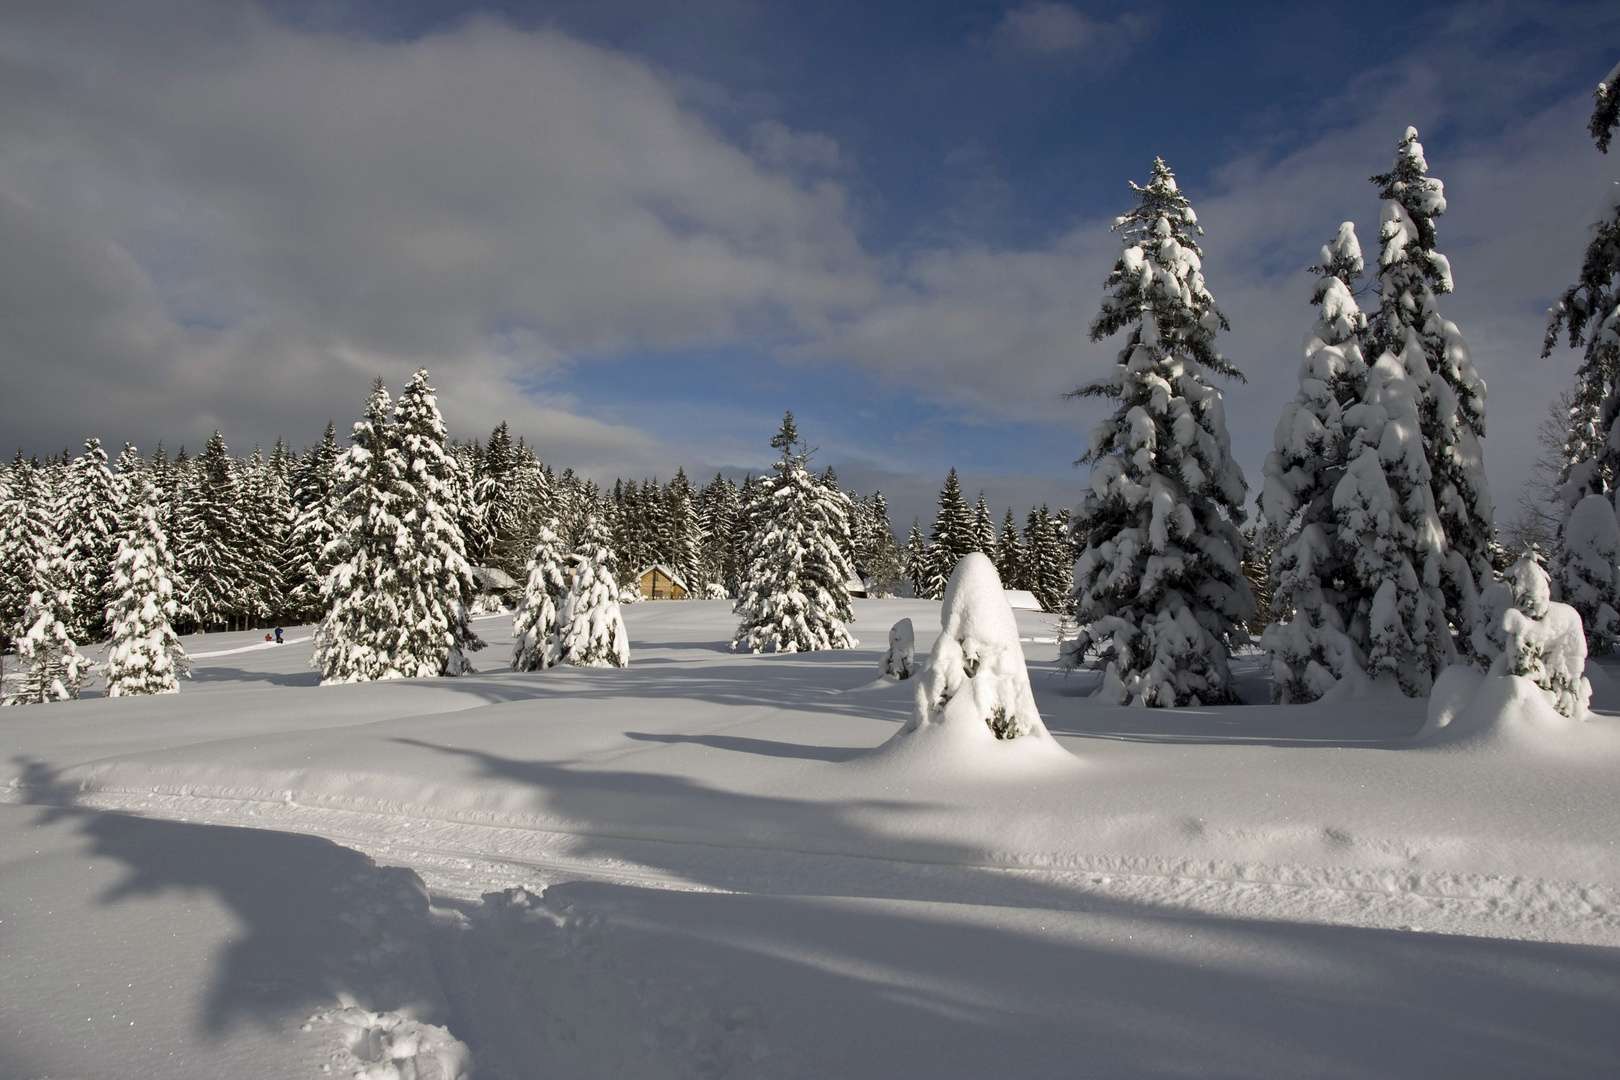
(202, 675)
(797, 682)
(315, 919)
(807, 986)
(765, 747)
(693, 832)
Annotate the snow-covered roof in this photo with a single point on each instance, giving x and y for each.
(855, 585)
(661, 568)
(1022, 600)
(490, 577)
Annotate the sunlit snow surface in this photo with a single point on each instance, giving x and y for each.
(695, 867)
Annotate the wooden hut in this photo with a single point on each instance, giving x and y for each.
(659, 582)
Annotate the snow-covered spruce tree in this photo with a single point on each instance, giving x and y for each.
(314, 527)
(1408, 324)
(1048, 562)
(952, 537)
(916, 560)
(362, 632)
(1587, 569)
(1589, 311)
(144, 656)
(684, 545)
(27, 533)
(590, 627)
(436, 582)
(1010, 553)
(1523, 632)
(209, 554)
(717, 510)
(976, 673)
(1387, 525)
(1159, 587)
(1315, 596)
(795, 596)
(264, 513)
(984, 530)
(52, 668)
(89, 529)
(535, 623)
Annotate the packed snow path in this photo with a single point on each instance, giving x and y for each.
(695, 867)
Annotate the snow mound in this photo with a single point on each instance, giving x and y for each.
(973, 702)
(1507, 712)
(393, 1046)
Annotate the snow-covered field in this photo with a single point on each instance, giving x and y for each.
(697, 867)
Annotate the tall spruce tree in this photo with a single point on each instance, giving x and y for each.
(1408, 325)
(314, 498)
(1159, 587)
(590, 627)
(144, 656)
(435, 578)
(535, 624)
(1319, 603)
(1010, 554)
(952, 537)
(984, 530)
(361, 636)
(718, 513)
(795, 596)
(89, 528)
(1589, 313)
(917, 560)
(211, 561)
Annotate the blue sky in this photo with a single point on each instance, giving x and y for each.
(640, 231)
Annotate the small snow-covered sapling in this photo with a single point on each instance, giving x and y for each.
(1524, 632)
(898, 661)
(976, 673)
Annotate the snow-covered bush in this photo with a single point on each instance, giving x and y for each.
(897, 662)
(52, 668)
(590, 627)
(1159, 588)
(976, 673)
(795, 592)
(144, 655)
(1588, 570)
(715, 591)
(535, 624)
(1524, 632)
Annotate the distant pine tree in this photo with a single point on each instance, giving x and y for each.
(1010, 554)
(952, 537)
(144, 655)
(52, 668)
(795, 596)
(591, 629)
(536, 624)
(314, 498)
(89, 529)
(211, 556)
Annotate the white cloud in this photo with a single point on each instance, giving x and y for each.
(262, 219)
(1052, 29)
